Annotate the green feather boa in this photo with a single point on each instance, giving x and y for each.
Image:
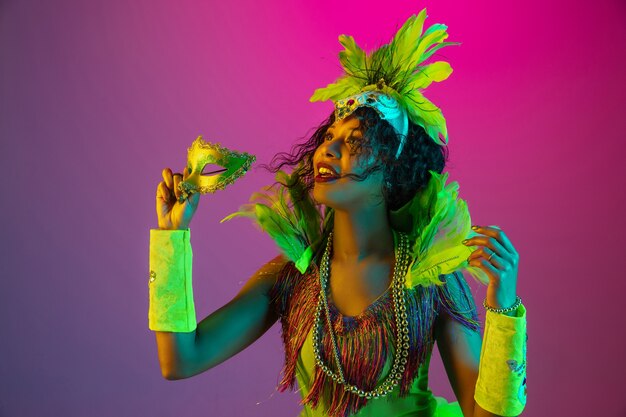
(435, 219)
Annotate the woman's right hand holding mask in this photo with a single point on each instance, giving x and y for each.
(171, 213)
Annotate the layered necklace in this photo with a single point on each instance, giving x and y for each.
(400, 317)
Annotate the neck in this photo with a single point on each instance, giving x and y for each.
(362, 234)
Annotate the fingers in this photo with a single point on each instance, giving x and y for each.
(490, 242)
(167, 177)
(497, 233)
(164, 194)
(177, 179)
(171, 182)
(486, 254)
(488, 268)
(490, 249)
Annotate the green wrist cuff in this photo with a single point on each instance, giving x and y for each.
(501, 384)
(171, 294)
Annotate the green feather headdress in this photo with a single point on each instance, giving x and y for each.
(435, 219)
(395, 69)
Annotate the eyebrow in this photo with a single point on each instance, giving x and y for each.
(358, 129)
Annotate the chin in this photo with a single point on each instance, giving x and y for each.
(346, 195)
(338, 199)
(322, 195)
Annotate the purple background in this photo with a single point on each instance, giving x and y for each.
(98, 97)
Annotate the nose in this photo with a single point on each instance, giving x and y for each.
(331, 149)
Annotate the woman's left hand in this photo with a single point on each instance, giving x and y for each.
(497, 257)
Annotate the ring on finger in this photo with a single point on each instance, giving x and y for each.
(490, 256)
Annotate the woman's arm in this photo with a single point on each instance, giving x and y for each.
(460, 350)
(225, 332)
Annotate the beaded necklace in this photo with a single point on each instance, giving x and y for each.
(400, 315)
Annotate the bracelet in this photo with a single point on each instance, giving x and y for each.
(518, 301)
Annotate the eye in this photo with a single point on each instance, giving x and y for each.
(354, 142)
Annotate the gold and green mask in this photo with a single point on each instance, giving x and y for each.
(232, 165)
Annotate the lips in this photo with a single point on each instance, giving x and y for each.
(333, 174)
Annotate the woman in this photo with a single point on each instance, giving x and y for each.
(365, 288)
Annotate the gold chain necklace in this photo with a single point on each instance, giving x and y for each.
(400, 316)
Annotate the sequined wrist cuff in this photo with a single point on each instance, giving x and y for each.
(501, 384)
(171, 294)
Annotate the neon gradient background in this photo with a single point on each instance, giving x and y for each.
(97, 97)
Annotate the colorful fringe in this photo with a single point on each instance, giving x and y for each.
(365, 341)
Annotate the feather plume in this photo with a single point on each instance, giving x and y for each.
(342, 88)
(428, 115)
(288, 214)
(406, 41)
(352, 58)
(437, 71)
(398, 65)
(437, 222)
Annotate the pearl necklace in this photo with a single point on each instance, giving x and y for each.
(400, 316)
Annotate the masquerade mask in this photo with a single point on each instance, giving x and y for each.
(199, 155)
(386, 107)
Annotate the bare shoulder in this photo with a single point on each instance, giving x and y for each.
(273, 266)
(265, 277)
(270, 270)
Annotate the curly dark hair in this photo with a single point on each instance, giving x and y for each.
(403, 177)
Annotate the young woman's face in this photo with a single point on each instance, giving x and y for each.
(338, 155)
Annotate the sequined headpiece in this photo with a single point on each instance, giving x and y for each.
(390, 79)
(386, 107)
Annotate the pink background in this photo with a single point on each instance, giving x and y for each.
(98, 97)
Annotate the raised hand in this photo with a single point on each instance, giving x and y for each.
(499, 259)
(173, 212)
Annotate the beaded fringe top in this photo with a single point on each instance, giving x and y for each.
(365, 341)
